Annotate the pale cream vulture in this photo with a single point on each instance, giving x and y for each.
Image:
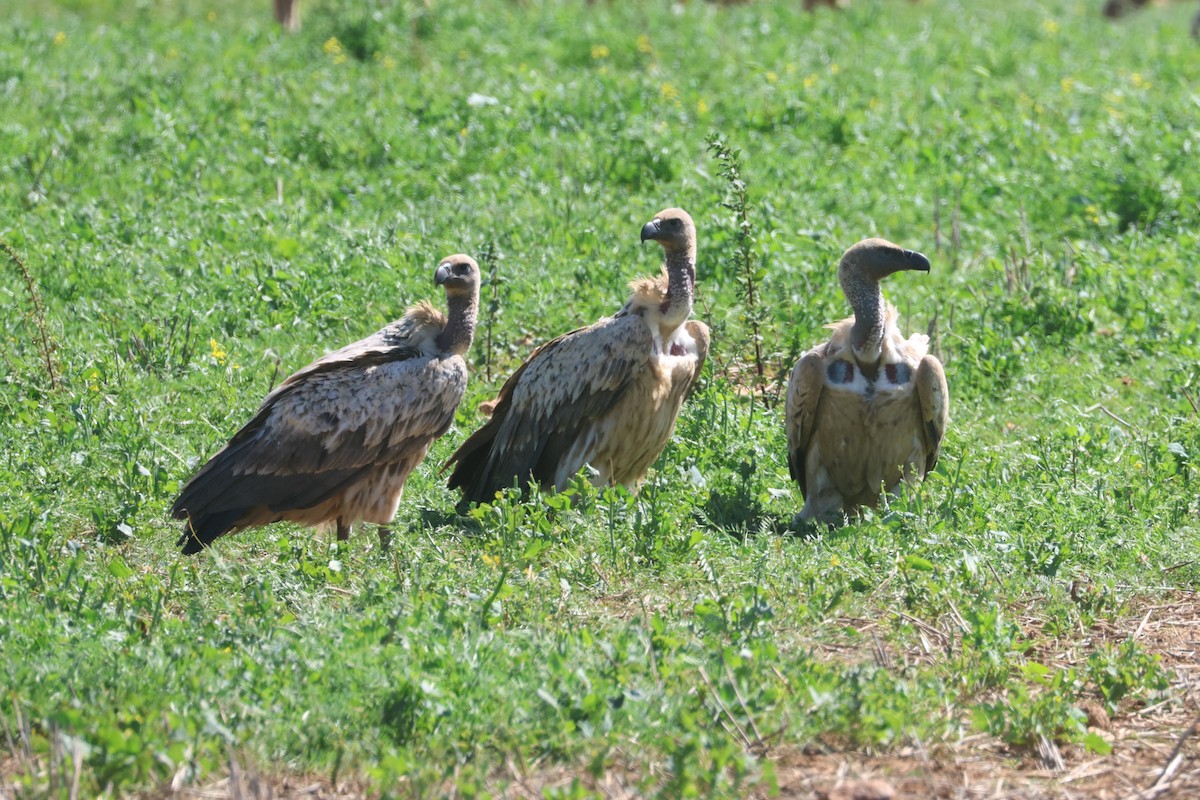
(335, 442)
(606, 395)
(868, 408)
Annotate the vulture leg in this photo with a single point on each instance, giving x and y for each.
(385, 539)
(343, 529)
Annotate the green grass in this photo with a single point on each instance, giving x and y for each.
(1039, 155)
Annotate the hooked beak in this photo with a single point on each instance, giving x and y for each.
(651, 229)
(442, 275)
(915, 261)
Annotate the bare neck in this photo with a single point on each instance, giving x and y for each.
(681, 286)
(867, 301)
(460, 324)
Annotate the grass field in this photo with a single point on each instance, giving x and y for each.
(201, 205)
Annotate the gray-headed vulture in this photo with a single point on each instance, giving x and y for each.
(335, 442)
(606, 395)
(868, 408)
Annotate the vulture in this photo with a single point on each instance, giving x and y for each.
(606, 395)
(335, 442)
(868, 408)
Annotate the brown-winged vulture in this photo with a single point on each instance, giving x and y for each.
(606, 395)
(335, 442)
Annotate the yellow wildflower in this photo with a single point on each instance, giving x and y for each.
(701, 106)
(60, 39)
(491, 560)
(669, 92)
(1067, 83)
(218, 352)
(1138, 81)
(772, 77)
(1050, 26)
(332, 46)
(600, 51)
(810, 81)
(834, 69)
(389, 62)
(643, 44)
(211, 16)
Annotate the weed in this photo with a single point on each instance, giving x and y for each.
(744, 255)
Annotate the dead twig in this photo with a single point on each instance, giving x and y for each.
(1111, 415)
(1138, 633)
(1191, 402)
(45, 344)
(737, 729)
(1176, 757)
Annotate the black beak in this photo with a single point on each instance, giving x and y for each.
(442, 275)
(651, 230)
(915, 261)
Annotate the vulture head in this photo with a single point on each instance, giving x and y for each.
(872, 260)
(459, 274)
(674, 230)
(862, 267)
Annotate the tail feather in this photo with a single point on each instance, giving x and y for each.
(470, 461)
(220, 497)
(201, 531)
(214, 479)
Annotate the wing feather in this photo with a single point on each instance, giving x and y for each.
(549, 403)
(701, 336)
(934, 395)
(804, 393)
(327, 426)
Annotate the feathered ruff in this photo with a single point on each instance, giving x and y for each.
(647, 292)
(422, 314)
(895, 346)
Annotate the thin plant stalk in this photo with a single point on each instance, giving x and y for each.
(44, 342)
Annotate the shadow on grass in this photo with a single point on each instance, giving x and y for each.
(740, 516)
(435, 518)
